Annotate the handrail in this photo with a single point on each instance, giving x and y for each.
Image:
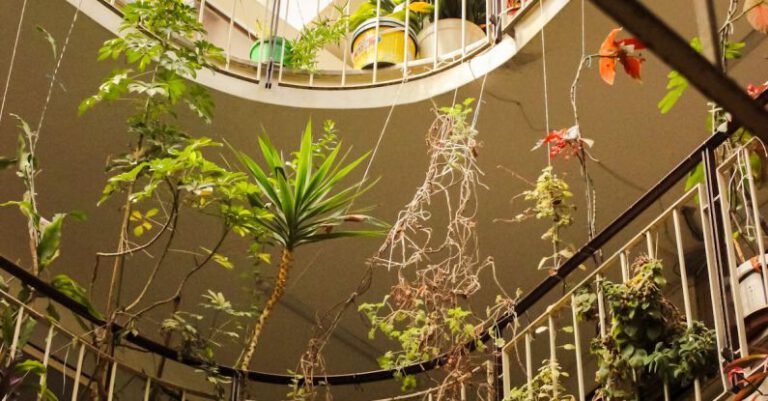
(525, 303)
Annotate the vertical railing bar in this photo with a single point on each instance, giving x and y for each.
(112, 376)
(506, 366)
(714, 279)
(282, 48)
(491, 380)
(756, 217)
(147, 387)
(734, 280)
(683, 270)
(406, 31)
(684, 285)
(488, 20)
(463, 29)
(17, 331)
(577, 349)
(666, 392)
(317, 15)
(624, 266)
(553, 354)
(649, 244)
(529, 364)
(201, 13)
(46, 356)
(463, 392)
(435, 33)
(48, 341)
(260, 58)
(600, 305)
(183, 395)
(229, 33)
(78, 372)
(345, 48)
(377, 32)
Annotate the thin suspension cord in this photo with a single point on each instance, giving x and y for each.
(13, 59)
(378, 141)
(583, 30)
(479, 102)
(58, 64)
(544, 71)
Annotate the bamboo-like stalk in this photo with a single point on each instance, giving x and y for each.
(286, 262)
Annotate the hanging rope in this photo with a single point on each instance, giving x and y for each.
(274, 23)
(13, 59)
(58, 65)
(544, 72)
(381, 135)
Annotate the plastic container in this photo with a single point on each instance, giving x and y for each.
(390, 43)
(753, 296)
(260, 51)
(448, 37)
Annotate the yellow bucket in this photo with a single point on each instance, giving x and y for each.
(390, 44)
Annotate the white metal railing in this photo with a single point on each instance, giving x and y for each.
(228, 23)
(73, 357)
(670, 238)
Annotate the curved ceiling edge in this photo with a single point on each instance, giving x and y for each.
(416, 90)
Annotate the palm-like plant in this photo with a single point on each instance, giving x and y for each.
(305, 204)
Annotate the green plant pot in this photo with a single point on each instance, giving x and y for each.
(281, 52)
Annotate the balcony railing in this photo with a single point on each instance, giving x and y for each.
(411, 78)
(683, 239)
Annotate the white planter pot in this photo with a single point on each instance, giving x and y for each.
(448, 37)
(753, 296)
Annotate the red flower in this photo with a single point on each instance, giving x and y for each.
(756, 90)
(566, 141)
(624, 51)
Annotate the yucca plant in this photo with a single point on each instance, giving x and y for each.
(305, 204)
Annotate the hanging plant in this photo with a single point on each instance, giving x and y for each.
(647, 339)
(550, 199)
(427, 312)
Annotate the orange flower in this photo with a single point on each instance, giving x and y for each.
(757, 14)
(625, 52)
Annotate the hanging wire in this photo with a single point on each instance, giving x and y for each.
(13, 59)
(58, 65)
(544, 72)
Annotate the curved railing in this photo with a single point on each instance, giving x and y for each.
(343, 86)
(73, 355)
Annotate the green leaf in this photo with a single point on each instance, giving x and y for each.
(51, 40)
(50, 241)
(223, 261)
(6, 162)
(69, 287)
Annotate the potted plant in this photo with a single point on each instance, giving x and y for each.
(648, 340)
(315, 36)
(277, 47)
(449, 28)
(390, 40)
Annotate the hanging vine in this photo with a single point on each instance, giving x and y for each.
(426, 312)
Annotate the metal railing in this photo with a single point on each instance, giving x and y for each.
(682, 238)
(74, 359)
(227, 30)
